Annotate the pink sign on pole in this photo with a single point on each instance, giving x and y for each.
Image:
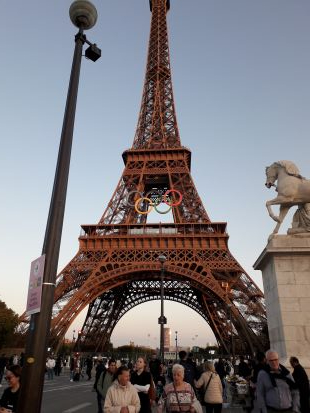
(35, 286)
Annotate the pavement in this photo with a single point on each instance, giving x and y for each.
(233, 409)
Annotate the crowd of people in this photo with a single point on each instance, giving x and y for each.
(180, 387)
(184, 386)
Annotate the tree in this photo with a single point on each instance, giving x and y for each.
(8, 323)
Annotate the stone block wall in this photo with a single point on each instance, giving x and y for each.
(285, 266)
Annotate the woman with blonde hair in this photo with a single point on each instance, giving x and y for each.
(213, 389)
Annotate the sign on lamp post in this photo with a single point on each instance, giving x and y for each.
(35, 286)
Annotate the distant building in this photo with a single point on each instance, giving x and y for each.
(172, 354)
(167, 338)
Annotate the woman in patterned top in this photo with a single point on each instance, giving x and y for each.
(178, 396)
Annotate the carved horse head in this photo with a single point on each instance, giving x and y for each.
(271, 174)
(272, 171)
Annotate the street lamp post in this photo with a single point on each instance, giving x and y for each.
(83, 14)
(176, 345)
(162, 319)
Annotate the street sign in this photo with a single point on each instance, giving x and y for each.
(35, 286)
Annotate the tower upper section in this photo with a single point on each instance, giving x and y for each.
(157, 124)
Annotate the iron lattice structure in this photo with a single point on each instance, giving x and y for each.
(117, 267)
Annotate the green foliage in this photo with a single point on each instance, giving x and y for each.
(8, 323)
(131, 352)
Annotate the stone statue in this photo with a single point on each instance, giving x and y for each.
(293, 189)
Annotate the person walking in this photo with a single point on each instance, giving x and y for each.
(276, 390)
(8, 401)
(100, 368)
(104, 382)
(190, 369)
(122, 397)
(89, 366)
(154, 365)
(75, 367)
(243, 368)
(160, 382)
(142, 381)
(3, 363)
(50, 365)
(260, 364)
(178, 396)
(301, 379)
(220, 368)
(211, 382)
(58, 366)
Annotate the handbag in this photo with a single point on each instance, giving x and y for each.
(152, 391)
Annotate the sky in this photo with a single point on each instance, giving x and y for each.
(240, 72)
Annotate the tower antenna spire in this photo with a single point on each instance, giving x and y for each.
(157, 124)
(167, 5)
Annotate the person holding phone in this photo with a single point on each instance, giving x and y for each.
(8, 401)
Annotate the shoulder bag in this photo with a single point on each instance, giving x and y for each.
(176, 393)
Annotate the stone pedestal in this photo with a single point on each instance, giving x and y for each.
(285, 266)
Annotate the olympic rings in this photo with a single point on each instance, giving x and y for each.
(149, 208)
(154, 203)
(177, 192)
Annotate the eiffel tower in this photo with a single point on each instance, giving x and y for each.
(116, 267)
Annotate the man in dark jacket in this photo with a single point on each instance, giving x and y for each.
(190, 369)
(220, 368)
(105, 380)
(99, 369)
(89, 366)
(154, 366)
(302, 381)
(243, 368)
(276, 389)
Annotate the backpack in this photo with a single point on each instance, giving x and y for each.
(98, 374)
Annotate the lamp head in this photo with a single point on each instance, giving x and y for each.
(162, 259)
(83, 14)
